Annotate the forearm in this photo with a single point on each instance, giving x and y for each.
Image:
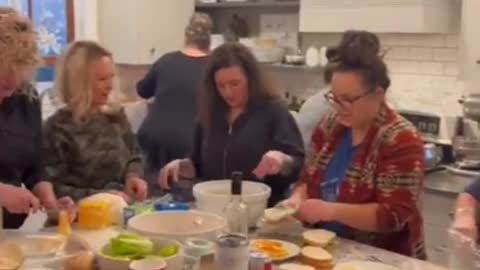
(465, 203)
(300, 192)
(359, 216)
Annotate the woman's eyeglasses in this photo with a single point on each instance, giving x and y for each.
(332, 99)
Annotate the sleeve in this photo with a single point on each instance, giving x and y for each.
(146, 86)
(32, 175)
(55, 170)
(196, 155)
(288, 140)
(474, 189)
(135, 162)
(399, 181)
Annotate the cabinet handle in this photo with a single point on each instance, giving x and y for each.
(478, 61)
(152, 51)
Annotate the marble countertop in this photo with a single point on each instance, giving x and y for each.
(344, 251)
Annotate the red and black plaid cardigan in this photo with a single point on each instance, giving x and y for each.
(387, 169)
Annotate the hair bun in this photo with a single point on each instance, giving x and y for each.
(359, 48)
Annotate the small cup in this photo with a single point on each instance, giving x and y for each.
(148, 264)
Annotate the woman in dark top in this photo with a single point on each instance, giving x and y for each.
(20, 125)
(167, 131)
(244, 127)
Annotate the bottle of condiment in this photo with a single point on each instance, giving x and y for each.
(236, 211)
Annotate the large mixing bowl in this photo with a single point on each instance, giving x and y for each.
(213, 196)
(178, 225)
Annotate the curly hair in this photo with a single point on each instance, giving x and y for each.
(18, 41)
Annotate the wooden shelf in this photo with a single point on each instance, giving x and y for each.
(250, 4)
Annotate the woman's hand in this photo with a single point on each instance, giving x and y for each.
(313, 211)
(271, 163)
(465, 223)
(137, 188)
(18, 200)
(53, 208)
(169, 173)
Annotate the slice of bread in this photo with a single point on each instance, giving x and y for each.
(295, 266)
(319, 238)
(277, 214)
(317, 257)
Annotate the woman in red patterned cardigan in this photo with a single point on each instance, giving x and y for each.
(364, 171)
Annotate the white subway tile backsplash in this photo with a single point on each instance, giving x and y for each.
(451, 41)
(431, 68)
(396, 53)
(404, 67)
(451, 69)
(445, 54)
(423, 40)
(415, 53)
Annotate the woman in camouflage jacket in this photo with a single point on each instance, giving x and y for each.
(88, 145)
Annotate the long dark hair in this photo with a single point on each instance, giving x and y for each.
(359, 52)
(232, 55)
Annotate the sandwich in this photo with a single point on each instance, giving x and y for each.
(318, 258)
(320, 238)
(295, 266)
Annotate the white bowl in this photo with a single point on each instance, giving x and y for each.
(213, 196)
(178, 225)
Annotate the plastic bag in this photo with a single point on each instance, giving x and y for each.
(464, 253)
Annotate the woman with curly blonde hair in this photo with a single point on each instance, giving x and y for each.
(20, 125)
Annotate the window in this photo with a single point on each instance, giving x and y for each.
(54, 22)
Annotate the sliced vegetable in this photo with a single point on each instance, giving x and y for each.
(131, 245)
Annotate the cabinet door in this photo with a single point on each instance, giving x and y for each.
(162, 27)
(470, 45)
(424, 16)
(118, 29)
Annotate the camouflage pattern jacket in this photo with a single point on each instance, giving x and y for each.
(81, 159)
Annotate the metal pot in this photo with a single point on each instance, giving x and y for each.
(471, 106)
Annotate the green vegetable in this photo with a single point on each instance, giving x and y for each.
(168, 251)
(131, 246)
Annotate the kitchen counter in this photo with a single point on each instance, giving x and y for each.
(345, 250)
(444, 181)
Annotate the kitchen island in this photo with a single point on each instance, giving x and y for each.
(345, 250)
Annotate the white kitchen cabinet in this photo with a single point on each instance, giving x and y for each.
(470, 46)
(138, 32)
(381, 16)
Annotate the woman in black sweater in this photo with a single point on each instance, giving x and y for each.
(167, 131)
(20, 126)
(244, 127)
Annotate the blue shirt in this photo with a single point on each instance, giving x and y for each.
(335, 174)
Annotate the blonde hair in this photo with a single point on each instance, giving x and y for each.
(75, 74)
(18, 41)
